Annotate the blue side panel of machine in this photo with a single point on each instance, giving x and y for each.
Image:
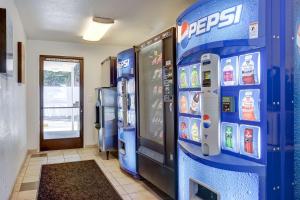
(128, 161)
(127, 135)
(296, 47)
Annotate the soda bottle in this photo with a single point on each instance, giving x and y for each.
(228, 73)
(248, 71)
(228, 137)
(195, 82)
(248, 107)
(183, 79)
(248, 140)
(195, 131)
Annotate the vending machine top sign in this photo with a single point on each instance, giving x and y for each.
(125, 63)
(217, 21)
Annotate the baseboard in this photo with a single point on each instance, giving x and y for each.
(29, 151)
(32, 151)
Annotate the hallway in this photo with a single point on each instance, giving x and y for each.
(27, 182)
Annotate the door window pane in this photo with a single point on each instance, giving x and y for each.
(61, 123)
(61, 84)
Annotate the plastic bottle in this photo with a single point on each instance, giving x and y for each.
(195, 131)
(248, 71)
(183, 79)
(228, 137)
(228, 73)
(195, 81)
(248, 107)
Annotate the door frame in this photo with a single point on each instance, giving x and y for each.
(65, 143)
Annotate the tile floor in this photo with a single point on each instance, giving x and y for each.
(28, 180)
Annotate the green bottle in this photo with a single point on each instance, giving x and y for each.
(228, 137)
(195, 77)
(183, 79)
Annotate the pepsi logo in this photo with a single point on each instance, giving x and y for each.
(124, 63)
(206, 121)
(225, 18)
(184, 33)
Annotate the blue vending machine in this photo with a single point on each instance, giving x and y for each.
(126, 111)
(237, 64)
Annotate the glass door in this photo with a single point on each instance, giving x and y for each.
(61, 103)
(151, 97)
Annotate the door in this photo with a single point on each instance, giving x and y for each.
(61, 102)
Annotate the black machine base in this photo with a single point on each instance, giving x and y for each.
(157, 174)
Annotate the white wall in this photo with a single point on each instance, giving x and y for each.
(12, 114)
(92, 54)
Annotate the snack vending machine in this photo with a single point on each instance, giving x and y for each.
(127, 111)
(156, 135)
(236, 68)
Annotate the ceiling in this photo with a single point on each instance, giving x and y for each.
(65, 20)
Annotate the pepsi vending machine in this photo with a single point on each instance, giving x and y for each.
(127, 111)
(236, 68)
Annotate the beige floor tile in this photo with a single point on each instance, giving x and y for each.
(38, 162)
(28, 179)
(72, 159)
(125, 181)
(33, 173)
(32, 164)
(143, 195)
(114, 182)
(120, 190)
(71, 155)
(69, 152)
(119, 174)
(27, 195)
(34, 167)
(114, 169)
(126, 197)
(87, 157)
(87, 151)
(56, 157)
(38, 159)
(55, 161)
(54, 153)
(133, 188)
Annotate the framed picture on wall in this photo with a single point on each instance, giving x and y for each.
(6, 44)
(21, 63)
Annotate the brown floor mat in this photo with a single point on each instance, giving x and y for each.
(82, 180)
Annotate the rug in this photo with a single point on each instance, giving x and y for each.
(82, 180)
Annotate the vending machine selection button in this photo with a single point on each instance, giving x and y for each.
(228, 104)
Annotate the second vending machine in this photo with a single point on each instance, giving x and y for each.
(127, 111)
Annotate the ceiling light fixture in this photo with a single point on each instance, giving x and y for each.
(97, 27)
